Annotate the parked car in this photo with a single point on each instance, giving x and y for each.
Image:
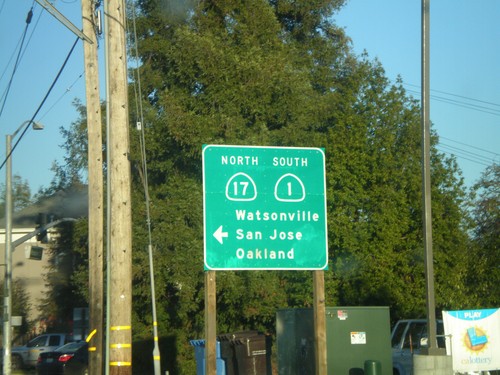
(69, 359)
(26, 356)
(409, 337)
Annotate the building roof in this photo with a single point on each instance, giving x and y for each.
(71, 203)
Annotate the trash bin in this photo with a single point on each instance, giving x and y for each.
(199, 354)
(227, 353)
(253, 355)
(227, 349)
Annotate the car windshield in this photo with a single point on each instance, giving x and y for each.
(37, 341)
(71, 347)
(398, 333)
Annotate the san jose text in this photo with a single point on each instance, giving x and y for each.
(257, 253)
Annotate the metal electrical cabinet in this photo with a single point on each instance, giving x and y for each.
(354, 335)
(295, 341)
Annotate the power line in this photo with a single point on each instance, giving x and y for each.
(11, 57)
(62, 96)
(1, 6)
(457, 155)
(462, 104)
(467, 155)
(21, 50)
(16, 64)
(467, 103)
(465, 144)
(41, 104)
(457, 96)
(24, 50)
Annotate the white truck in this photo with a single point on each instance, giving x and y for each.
(25, 356)
(408, 337)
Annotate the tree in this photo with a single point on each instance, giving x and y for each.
(67, 258)
(281, 73)
(21, 195)
(20, 304)
(72, 173)
(484, 277)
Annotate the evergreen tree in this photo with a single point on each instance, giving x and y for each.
(21, 195)
(66, 276)
(20, 305)
(281, 73)
(484, 260)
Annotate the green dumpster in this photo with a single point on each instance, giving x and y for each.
(358, 341)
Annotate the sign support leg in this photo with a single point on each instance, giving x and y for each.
(320, 322)
(210, 323)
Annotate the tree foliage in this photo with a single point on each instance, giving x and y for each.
(485, 259)
(280, 73)
(20, 305)
(68, 257)
(21, 195)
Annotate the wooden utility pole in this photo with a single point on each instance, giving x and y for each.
(120, 225)
(210, 323)
(94, 133)
(320, 321)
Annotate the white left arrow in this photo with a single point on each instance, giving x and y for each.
(220, 235)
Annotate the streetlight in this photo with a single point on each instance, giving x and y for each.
(7, 307)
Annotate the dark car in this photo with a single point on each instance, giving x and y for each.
(69, 359)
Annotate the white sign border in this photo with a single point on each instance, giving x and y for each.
(205, 147)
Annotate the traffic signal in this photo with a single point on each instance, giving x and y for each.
(41, 222)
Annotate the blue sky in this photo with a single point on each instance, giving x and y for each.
(46, 46)
(465, 74)
(464, 67)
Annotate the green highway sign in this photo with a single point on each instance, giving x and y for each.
(264, 208)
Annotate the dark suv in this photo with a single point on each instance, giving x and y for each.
(26, 356)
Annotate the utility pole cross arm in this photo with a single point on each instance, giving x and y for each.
(61, 18)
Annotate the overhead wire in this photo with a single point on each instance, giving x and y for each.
(68, 89)
(464, 154)
(41, 104)
(22, 50)
(471, 156)
(139, 111)
(474, 147)
(462, 104)
(456, 95)
(32, 32)
(1, 6)
(10, 59)
(140, 120)
(467, 103)
(16, 64)
(26, 45)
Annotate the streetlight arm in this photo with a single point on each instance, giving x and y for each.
(26, 237)
(10, 137)
(19, 128)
